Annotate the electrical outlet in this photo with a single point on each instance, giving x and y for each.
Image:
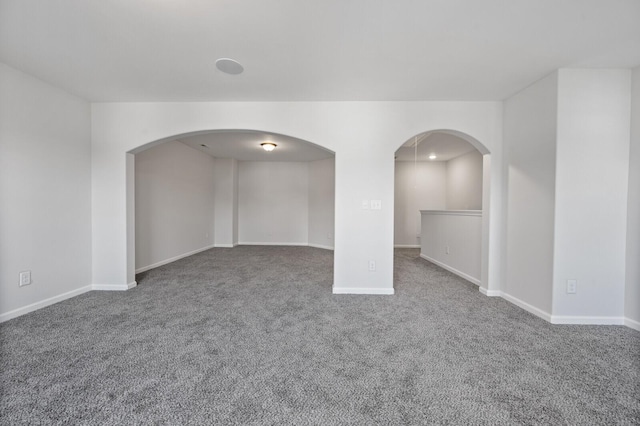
(372, 265)
(376, 204)
(572, 286)
(25, 278)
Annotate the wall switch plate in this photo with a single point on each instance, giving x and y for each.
(372, 265)
(25, 278)
(572, 286)
(446, 250)
(376, 204)
(365, 204)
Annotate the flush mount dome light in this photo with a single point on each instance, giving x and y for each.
(229, 66)
(432, 157)
(268, 146)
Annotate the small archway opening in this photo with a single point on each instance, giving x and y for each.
(221, 188)
(441, 193)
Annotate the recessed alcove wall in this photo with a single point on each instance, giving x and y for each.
(455, 184)
(180, 211)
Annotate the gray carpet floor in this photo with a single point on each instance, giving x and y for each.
(253, 335)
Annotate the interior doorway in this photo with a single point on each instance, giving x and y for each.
(223, 189)
(439, 196)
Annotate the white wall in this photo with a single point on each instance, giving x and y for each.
(45, 193)
(186, 200)
(453, 240)
(321, 203)
(418, 186)
(226, 202)
(364, 136)
(591, 191)
(174, 198)
(464, 182)
(530, 144)
(361, 133)
(273, 202)
(632, 289)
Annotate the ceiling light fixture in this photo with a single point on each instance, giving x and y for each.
(229, 66)
(268, 146)
(432, 157)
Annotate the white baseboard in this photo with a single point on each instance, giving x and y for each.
(451, 269)
(586, 320)
(320, 246)
(114, 287)
(43, 303)
(172, 259)
(225, 245)
(406, 246)
(490, 293)
(362, 290)
(563, 319)
(244, 243)
(527, 307)
(632, 324)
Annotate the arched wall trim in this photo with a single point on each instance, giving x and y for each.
(482, 148)
(151, 144)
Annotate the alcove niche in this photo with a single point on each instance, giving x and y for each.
(223, 189)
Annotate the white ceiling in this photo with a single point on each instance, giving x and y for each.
(244, 145)
(165, 50)
(445, 146)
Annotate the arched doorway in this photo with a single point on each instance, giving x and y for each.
(282, 197)
(442, 201)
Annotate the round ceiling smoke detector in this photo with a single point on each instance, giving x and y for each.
(229, 66)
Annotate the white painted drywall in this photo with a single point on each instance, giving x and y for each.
(453, 239)
(226, 202)
(45, 192)
(418, 186)
(464, 182)
(591, 191)
(273, 202)
(321, 203)
(174, 199)
(364, 136)
(530, 144)
(632, 288)
(236, 171)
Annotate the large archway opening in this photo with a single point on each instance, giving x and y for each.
(441, 202)
(221, 188)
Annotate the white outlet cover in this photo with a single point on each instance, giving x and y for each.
(25, 278)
